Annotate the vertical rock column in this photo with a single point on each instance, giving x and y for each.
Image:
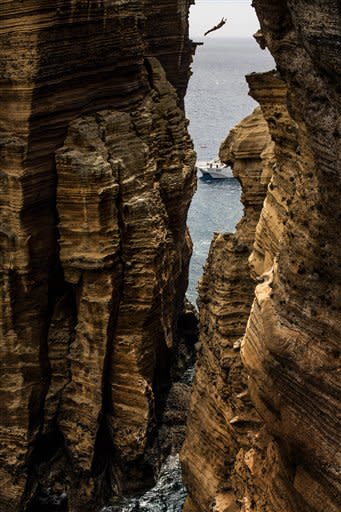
(221, 415)
(60, 304)
(262, 472)
(291, 349)
(292, 343)
(124, 249)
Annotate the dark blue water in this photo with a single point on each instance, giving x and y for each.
(216, 100)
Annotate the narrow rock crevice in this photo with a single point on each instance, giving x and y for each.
(97, 174)
(222, 418)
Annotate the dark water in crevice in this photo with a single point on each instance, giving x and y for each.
(168, 495)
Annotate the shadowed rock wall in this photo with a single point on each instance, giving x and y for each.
(94, 250)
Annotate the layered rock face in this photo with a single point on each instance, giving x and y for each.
(261, 474)
(290, 459)
(94, 248)
(292, 344)
(221, 415)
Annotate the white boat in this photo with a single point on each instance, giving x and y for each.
(214, 170)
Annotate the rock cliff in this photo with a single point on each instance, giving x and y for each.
(221, 416)
(97, 172)
(285, 455)
(292, 343)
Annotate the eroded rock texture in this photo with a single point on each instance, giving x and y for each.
(292, 344)
(221, 415)
(290, 460)
(94, 248)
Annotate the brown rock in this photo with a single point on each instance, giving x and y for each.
(92, 274)
(122, 180)
(292, 343)
(221, 415)
(291, 461)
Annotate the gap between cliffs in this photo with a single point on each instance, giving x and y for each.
(97, 174)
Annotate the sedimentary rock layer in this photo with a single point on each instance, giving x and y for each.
(221, 415)
(261, 476)
(292, 343)
(291, 349)
(93, 273)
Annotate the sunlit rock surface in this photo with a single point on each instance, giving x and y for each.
(292, 343)
(97, 172)
(290, 459)
(221, 414)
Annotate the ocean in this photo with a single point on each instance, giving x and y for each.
(216, 100)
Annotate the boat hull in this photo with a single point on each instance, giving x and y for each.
(216, 175)
(214, 170)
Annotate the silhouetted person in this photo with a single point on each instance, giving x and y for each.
(216, 27)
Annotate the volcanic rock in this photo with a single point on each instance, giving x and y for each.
(221, 414)
(289, 458)
(97, 172)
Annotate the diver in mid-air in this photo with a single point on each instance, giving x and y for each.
(216, 27)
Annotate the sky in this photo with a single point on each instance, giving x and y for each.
(241, 18)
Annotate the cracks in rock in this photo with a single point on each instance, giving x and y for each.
(103, 467)
(150, 74)
(49, 448)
